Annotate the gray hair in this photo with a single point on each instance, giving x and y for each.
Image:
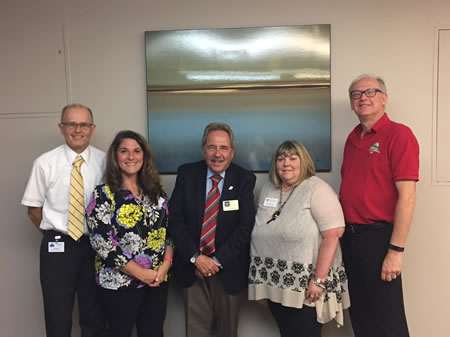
(217, 126)
(377, 78)
(76, 105)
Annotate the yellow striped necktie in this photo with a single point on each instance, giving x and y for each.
(75, 225)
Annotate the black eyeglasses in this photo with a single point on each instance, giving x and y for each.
(371, 92)
(72, 125)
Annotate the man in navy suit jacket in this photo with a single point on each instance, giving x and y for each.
(213, 281)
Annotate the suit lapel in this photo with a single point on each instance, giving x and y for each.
(228, 185)
(228, 193)
(199, 188)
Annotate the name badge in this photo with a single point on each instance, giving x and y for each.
(271, 202)
(56, 247)
(230, 205)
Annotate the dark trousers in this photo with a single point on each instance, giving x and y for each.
(293, 322)
(376, 306)
(144, 307)
(62, 276)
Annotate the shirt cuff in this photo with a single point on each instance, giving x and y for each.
(220, 264)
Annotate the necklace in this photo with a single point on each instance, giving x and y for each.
(277, 213)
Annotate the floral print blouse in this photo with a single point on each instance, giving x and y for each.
(123, 228)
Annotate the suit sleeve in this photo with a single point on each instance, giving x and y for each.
(239, 240)
(178, 228)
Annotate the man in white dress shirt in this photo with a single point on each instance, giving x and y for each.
(66, 264)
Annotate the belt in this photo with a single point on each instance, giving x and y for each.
(63, 236)
(360, 228)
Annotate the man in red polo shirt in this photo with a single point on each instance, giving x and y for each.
(378, 192)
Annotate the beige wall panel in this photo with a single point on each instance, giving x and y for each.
(443, 108)
(22, 141)
(32, 70)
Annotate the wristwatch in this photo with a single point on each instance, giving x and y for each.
(318, 282)
(396, 248)
(194, 257)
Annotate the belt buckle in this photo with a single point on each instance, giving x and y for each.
(352, 228)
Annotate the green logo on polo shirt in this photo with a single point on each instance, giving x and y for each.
(374, 148)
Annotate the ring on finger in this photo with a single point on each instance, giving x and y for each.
(209, 274)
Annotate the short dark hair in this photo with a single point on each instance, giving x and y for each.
(216, 126)
(76, 105)
(148, 177)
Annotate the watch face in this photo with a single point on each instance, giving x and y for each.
(193, 259)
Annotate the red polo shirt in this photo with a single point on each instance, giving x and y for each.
(387, 153)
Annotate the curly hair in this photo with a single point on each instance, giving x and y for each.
(148, 177)
(289, 148)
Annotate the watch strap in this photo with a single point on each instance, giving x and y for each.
(396, 248)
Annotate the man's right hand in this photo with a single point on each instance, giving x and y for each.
(198, 274)
(206, 266)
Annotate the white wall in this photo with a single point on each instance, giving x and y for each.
(54, 52)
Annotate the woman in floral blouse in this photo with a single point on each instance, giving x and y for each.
(127, 220)
(296, 260)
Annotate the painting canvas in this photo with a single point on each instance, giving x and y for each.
(268, 83)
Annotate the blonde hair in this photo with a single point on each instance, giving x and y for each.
(289, 148)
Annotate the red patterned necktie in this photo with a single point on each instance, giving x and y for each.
(207, 239)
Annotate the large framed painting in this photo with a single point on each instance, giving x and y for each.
(269, 84)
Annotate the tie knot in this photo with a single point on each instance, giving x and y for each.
(78, 161)
(216, 179)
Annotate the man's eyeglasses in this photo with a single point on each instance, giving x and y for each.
(73, 125)
(371, 92)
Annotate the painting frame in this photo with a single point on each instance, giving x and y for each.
(268, 83)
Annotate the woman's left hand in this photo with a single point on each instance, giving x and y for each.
(161, 274)
(314, 292)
